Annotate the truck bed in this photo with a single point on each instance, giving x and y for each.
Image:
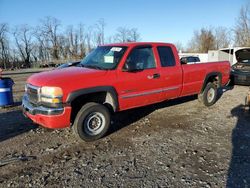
(194, 75)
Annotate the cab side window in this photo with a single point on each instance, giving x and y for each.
(166, 56)
(141, 58)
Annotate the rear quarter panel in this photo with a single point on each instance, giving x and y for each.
(194, 75)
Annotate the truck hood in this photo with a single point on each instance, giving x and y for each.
(60, 77)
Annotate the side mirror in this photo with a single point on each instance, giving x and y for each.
(132, 67)
(183, 61)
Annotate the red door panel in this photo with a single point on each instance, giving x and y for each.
(139, 89)
(139, 83)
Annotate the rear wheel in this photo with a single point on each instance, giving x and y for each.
(247, 103)
(209, 95)
(92, 122)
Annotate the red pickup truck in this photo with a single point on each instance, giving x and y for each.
(113, 78)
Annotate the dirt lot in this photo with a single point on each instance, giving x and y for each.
(178, 143)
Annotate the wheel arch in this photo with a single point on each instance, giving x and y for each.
(215, 77)
(106, 95)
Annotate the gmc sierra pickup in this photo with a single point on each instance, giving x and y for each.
(113, 78)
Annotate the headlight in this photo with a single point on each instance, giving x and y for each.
(51, 95)
(51, 91)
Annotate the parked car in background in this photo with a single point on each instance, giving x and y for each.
(190, 60)
(47, 65)
(240, 72)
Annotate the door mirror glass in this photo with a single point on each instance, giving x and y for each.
(132, 66)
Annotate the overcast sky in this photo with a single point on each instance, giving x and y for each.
(156, 20)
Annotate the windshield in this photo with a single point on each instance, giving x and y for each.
(104, 57)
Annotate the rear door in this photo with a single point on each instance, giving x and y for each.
(171, 73)
(141, 86)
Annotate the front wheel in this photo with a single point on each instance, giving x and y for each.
(92, 122)
(209, 95)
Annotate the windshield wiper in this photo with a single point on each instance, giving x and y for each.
(93, 67)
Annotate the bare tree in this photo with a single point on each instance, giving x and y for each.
(97, 38)
(50, 29)
(222, 37)
(134, 35)
(202, 41)
(23, 38)
(179, 46)
(127, 35)
(4, 45)
(122, 35)
(99, 33)
(82, 39)
(65, 49)
(88, 36)
(242, 27)
(73, 39)
(42, 46)
(110, 39)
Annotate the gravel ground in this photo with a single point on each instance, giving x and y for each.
(179, 143)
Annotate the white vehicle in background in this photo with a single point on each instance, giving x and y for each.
(229, 54)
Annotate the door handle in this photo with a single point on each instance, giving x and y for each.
(157, 75)
(154, 76)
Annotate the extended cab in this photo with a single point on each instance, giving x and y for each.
(113, 78)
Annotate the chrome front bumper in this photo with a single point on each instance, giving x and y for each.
(31, 109)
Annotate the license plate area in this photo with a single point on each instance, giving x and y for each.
(242, 78)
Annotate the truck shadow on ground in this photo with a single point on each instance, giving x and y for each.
(224, 89)
(13, 123)
(125, 118)
(239, 169)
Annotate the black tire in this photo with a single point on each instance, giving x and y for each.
(90, 117)
(247, 104)
(230, 81)
(209, 95)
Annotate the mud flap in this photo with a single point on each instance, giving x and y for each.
(247, 102)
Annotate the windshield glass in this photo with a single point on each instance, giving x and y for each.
(104, 57)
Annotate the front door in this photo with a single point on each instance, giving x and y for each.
(139, 81)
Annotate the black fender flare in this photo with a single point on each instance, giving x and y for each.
(209, 75)
(110, 89)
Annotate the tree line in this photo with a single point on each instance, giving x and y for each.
(48, 43)
(221, 37)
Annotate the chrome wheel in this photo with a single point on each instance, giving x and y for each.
(94, 123)
(210, 95)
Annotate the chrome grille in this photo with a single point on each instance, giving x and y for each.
(32, 93)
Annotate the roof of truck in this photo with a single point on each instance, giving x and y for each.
(137, 43)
